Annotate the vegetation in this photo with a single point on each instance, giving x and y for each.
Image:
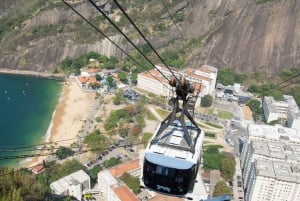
(115, 118)
(94, 172)
(266, 90)
(222, 114)
(146, 138)
(19, 186)
(132, 182)
(227, 76)
(221, 188)
(228, 167)
(206, 101)
(118, 98)
(56, 171)
(213, 125)
(213, 159)
(162, 113)
(262, 1)
(111, 162)
(96, 141)
(64, 152)
(210, 134)
(256, 108)
(73, 65)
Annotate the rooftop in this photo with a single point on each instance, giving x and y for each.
(119, 170)
(64, 183)
(274, 133)
(279, 170)
(173, 147)
(124, 194)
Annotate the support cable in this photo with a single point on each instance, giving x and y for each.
(104, 35)
(128, 39)
(172, 18)
(149, 44)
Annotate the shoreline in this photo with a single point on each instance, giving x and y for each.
(59, 77)
(66, 122)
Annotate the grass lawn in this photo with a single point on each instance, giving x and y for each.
(163, 113)
(222, 114)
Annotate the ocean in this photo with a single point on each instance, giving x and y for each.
(26, 107)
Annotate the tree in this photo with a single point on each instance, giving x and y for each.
(255, 108)
(206, 101)
(123, 77)
(228, 167)
(111, 162)
(221, 188)
(64, 152)
(19, 186)
(94, 172)
(118, 98)
(95, 140)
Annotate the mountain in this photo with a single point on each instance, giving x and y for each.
(246, 35)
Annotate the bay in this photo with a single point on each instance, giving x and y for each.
(26, 107)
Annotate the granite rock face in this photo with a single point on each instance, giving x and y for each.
(240, 34)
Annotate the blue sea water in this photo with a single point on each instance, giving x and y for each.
(26, 107)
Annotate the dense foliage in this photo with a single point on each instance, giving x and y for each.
(266, 90)
(19, 186)
(115, 118)
(94, 171)
(213, 159)
(221, 188)
(95, 141)
(132, 182)
(206, 101)
(227, 76)
(111, 162)
(64, 152)
(73, 65)
(55, 171)
(256, 108)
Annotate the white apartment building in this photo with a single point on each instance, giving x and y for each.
(73, 184)
(203, 79)
(286, 110)
(293, 115)
(274, 110)
(270, 162)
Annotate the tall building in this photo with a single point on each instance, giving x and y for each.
(203, 79)
(270, 162)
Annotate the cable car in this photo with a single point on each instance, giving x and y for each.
(172, 158)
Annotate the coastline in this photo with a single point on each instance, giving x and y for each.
(67, 118)
(60, 77)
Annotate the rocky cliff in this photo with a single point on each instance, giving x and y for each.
(241, 34)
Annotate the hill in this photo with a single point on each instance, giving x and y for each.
(244, 35)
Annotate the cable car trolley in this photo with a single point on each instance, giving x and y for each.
(172, 158)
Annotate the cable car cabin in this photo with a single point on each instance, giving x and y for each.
(172, 158)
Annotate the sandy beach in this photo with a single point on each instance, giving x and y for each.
(70, 113)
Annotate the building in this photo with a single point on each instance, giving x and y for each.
(203, 79)
(112, 187)
(274, 110)
(286, 111)
(293, 115)
(72, 185)
(270, 162)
